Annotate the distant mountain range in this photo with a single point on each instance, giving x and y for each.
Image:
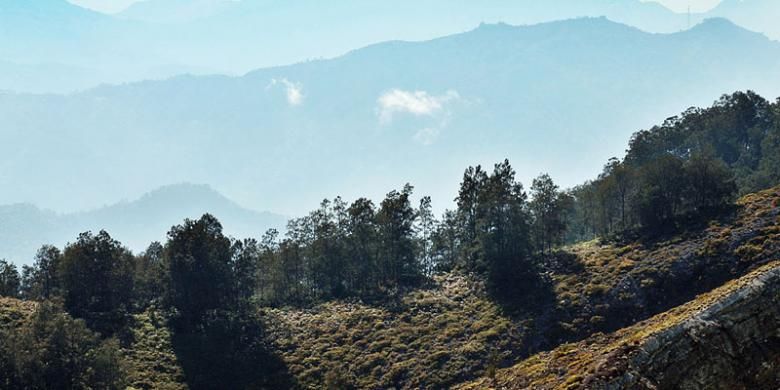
(558, 97)
(24, 228)
(55, 41)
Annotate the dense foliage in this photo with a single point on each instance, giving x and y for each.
(57, 352)
(691, 165)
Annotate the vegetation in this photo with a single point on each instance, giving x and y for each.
(604, 357)
(359, 295)
(432, 337)
(54, 351)
(688, 168)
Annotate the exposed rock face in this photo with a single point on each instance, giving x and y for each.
(728, 338)
(733, 344)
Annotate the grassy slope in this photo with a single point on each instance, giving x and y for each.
(15, 313)
(152, 363)
(432, 338)
(452, 331)
(608, 356)
(604, 287)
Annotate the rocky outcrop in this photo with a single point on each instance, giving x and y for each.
(733, 344)
(728, 338)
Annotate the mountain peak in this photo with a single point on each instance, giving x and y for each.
(717, 22)
(722, 28)
(717, 25)
(189, 192)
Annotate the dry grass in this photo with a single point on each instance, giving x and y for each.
(568, 365)
(435, 338)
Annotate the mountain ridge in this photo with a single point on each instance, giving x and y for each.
(380, 102)
(178, 32)
(136, 222)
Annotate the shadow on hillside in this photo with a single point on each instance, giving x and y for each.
(230, 353)
(524, 295)
(680, 227)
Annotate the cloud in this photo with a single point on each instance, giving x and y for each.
(417, 103)
(294, 91)
(427, 136)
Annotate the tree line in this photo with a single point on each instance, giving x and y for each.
(690, 166)
(694, 164)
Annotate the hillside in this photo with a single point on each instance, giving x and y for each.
(724, 339)
(436, 337)
(378, 117)
(25, 228)
(451, 331)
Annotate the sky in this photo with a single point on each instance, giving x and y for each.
(111, 6)
(682, 5)
(108, 6)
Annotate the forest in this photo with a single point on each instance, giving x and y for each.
(209, 286)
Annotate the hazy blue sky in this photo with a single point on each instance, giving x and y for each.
(696, 5)
(676, 5)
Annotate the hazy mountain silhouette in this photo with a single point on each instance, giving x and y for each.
(757, 15)
(24, 228)
(157, 39)
(558, 97)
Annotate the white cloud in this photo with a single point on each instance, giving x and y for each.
(417, 103)
(427, 136)
(294, 91)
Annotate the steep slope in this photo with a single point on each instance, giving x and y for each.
(725, 339)
(545, 96)
(24, 228)
(431, 338)
(436, 336)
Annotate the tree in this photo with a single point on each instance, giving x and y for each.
(662, 186)
(584, 213)
(10, 281)
(426, 228)
(97, 280)
(768, 173)
(325, 250)
(199, 261)
(362, 245)
(395, 221)
(246, 263)
(503, 232)
(149, 275)
(622, 178)
(57, 352)
(445, 242)
(710, 184)
(269, 273)
(474, 179)
(548, 212)
(41, 281)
